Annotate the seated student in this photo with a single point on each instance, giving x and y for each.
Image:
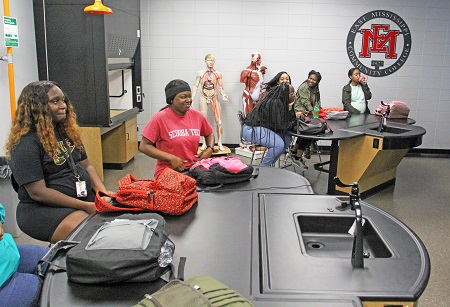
(308, 94)
(173, 134)
(57, 183)
(280, 77)
(267, 124)
(19, 284)
(356, 93)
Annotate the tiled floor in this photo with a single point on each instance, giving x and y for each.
(420, 198)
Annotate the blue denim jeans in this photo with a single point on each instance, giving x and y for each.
(276, 143)
(24, 287)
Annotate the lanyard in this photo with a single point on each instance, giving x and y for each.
(69, 158)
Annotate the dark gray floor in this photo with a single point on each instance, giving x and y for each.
(420, 199)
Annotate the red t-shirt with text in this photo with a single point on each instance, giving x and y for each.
(177, 135)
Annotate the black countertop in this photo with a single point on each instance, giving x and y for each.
(356, 125)
(399, 274)
(218, 238)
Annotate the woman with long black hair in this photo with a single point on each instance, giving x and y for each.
(268, 123)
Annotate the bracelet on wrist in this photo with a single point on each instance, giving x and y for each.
(209, 147)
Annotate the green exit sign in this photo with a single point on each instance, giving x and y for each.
(11, 31)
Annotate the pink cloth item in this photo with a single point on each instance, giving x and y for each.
(232, 164)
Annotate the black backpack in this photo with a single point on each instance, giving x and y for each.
(131, 248)
(311, 127)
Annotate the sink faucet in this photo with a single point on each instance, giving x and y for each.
(382, 124)
(357, 249)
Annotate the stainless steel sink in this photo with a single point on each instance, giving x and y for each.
(393, 130)
(328, 236)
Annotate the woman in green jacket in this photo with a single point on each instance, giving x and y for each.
(308, 94)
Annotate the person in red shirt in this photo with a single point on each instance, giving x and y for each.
(173, 134)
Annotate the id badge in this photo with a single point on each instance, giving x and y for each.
(81, 188)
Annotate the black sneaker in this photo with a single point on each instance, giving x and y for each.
(307, 153)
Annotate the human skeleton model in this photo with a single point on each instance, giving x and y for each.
(252, 76)
(209, 79)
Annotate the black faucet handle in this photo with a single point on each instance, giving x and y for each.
(354, 194)
(339, 183)
(388, 109)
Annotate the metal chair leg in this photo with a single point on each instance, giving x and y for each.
(317, 150)
(254, 152)
(288, 157)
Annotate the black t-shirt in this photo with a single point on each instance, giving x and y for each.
(29, 163)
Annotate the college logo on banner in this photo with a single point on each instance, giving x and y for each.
(379, 43)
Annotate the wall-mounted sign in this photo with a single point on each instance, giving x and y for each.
(379, 43)
(11, 32)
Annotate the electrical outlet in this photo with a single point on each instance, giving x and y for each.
(376, 143)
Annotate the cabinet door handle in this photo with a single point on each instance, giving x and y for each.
(128, 136)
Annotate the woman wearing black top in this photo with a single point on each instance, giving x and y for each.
(57, 183)
(267, 124)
